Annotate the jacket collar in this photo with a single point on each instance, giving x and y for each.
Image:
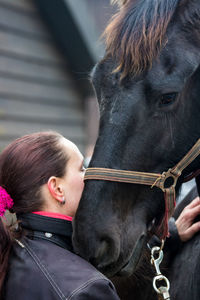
(54, 230)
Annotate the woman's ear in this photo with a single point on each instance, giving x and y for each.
(55, 189)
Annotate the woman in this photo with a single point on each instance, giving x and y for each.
(41, 180)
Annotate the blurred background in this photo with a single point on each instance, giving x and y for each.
(47, 51)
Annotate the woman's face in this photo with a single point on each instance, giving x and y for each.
(73, 179)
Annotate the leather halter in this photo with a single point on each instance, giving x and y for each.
(152, 179)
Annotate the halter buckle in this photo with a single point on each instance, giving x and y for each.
(165, 176)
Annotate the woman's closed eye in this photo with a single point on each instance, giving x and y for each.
(83, 169)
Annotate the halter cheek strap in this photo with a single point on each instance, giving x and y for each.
(151, 179)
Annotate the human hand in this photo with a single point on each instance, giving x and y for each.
(185, 222)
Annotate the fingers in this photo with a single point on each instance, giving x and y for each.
(191, 232)
(185, 222)
(191, 210)
(194, 212)
(189, 214)
(194, 203)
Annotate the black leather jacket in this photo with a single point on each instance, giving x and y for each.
(42, 266)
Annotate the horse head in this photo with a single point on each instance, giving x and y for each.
(147, 86)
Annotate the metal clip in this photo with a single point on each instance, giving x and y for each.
(162, 290)
(156, 261)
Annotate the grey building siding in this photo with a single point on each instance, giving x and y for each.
(37, 91)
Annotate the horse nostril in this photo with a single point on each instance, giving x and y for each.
(102, 250)
(100, 253)
(106, 253)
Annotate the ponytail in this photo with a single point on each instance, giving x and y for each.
(6, 202)
(5, 247)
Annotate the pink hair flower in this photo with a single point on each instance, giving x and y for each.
(6, 202)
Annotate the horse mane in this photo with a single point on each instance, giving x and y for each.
(137, 33)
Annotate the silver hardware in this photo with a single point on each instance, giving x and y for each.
(48, 234)
(156, 259)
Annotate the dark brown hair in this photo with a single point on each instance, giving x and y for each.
(137, 33)
(25, 165)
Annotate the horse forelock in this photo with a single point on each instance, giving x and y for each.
(119, 2)
(137, 33)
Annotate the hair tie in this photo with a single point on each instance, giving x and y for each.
(6, 202)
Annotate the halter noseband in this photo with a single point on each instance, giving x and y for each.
(152, 179)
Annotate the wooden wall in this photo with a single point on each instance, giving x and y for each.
(37, 91)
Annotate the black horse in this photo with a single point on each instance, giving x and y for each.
(147, 86)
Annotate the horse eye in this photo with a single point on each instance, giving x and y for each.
(168, 99)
